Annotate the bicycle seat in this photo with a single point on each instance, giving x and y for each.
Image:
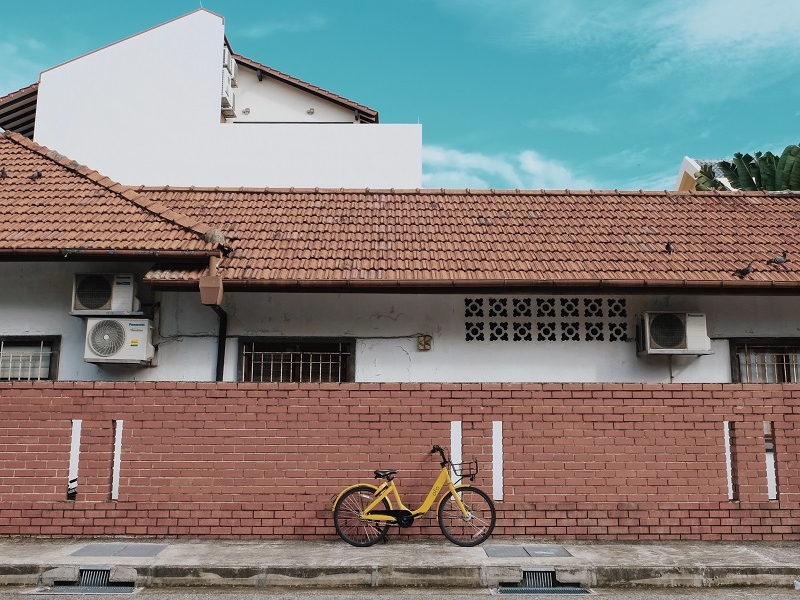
(383, 473)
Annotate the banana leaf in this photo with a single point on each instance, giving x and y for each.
(744, 168)
(794, 174)
(766, 166)
(729, 171)
(706, 180)
(781, 176)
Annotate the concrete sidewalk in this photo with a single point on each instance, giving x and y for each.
(331, 564)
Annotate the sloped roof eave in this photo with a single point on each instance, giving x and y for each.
(495, 285)
(106, 253)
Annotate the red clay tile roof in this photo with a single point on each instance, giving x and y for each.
(50, 205)
(499, 239)
(364, 113)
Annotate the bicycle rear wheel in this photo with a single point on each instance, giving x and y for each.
(472, 529)
(347, 517)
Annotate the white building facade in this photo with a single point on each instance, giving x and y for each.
(396, 337)
(171, 106)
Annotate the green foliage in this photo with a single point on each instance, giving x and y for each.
(760, 172)
(706, 180)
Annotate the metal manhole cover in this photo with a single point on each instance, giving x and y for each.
(120, 550)
(525, 551)
(546, 551)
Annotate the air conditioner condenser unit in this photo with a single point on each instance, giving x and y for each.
(119, 340)
(104, 294)
(673, 333)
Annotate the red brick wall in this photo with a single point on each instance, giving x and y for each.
(586, 461)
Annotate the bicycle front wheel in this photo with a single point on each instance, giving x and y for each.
(350, 525)
(473, 528)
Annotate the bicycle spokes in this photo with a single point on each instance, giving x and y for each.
(349, 521)
(470, 528)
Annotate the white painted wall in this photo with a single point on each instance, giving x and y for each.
(146, 110)
(36, 301)
(271, 101)
(385, 327)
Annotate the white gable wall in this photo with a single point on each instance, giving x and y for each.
(146, 111)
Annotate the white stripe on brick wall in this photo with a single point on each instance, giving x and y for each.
(497, 460)
(74, 454)
(455, 443)
(117, 460)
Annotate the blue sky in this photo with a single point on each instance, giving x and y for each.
(510, 93)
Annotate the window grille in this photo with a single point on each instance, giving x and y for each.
(22, 360)
(768, 364)
(296, 361)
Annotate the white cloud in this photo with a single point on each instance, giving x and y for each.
(725, 44)
(636, 170)
(447, 168)
(717, 25)
(17, 67)
(650, 181)
(547, 174)
(457, 180)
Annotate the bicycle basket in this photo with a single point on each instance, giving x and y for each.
(465, 469)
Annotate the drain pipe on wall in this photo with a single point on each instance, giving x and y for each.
(211, 291)
(222, 335)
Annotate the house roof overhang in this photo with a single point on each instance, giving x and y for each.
(18, 110)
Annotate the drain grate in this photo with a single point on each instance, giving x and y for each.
(94, 577)
(540, 581)
(94, 580)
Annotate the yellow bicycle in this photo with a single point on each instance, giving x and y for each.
(363, 512)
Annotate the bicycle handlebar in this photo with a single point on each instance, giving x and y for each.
(438, 448)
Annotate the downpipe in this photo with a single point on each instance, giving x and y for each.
(222, 336)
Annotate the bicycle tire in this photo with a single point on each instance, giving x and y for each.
(473, 529)
(347, 517)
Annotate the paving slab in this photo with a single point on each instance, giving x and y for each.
(332, 564)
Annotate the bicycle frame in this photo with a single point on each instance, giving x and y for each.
(388, 490)
(362, 513)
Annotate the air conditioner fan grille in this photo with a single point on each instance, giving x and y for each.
(667, 330)
(93, 292)
(106, 337)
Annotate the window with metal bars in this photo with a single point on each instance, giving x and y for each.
(765, 361)
(296, 360)
(28, 359)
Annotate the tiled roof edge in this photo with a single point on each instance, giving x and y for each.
(455, 192)
(19, 93)
(496, 284)
(371, 113)
(126, 193)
